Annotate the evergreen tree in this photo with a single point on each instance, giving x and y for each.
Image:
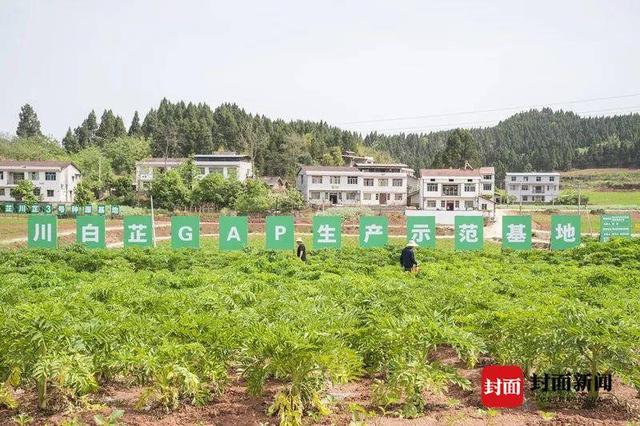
(135, 130)
(86, 132)
(70, 142)
(28, 124)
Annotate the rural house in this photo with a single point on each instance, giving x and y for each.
(532, 187)
(53, 181)
(455, 189)
(228, 164)
(363, 184)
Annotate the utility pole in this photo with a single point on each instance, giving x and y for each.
(153, 220)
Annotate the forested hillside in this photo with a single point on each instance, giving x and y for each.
(534, 140)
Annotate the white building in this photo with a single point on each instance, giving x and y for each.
(365, 184)
(53, 181)
(533, 187)
(456, 189)
(228, 164)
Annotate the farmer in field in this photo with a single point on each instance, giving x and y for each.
(408, 257)
(301, 251)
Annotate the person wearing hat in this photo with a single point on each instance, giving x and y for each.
(301, 251)
(408, 257)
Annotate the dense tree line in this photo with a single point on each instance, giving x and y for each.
(535, 140)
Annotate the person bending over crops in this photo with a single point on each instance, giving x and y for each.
(408, 257)
(301, 252)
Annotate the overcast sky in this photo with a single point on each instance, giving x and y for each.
(339, 61)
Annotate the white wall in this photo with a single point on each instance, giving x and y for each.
(443, 217)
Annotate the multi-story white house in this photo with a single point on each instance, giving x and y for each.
(456, 189)
(53, 181)
(532, 187)
(228, 164)
(365, 184)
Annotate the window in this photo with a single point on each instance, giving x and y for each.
(450, 190)
(352, 180)
(383, 182)
(484, 206)
(334, 180)
(552, 178)
(468, 204)
(512, 187)
(377, 196)
(397, 182)
(432, 187)
(1, 175)
(469, 187)
(431, 203)
(524, 198)
(3, 191)
(17, 177)
(366, 196)
(513, 178)
(399, 197)
(442, 203)
(315, 195)
(35, 176)
(50, 175)
(469, 180)
(36, 192)
(450, 180)
(526, 178)
(50, 192)
(351, 196)
(316, 179)
(538, 178)
(486, 177)
(368, 181)
(432, 180)
(457, 204)
(525, 187)
(486, 187)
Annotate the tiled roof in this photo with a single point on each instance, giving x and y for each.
(487, 170)
(328, 169)
(382, 165)
(45, 163)
(449, 172)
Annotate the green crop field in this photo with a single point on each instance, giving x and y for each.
(613, 198)
(180, 327)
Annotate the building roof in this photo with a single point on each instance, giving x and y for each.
(328, 169)
(162, 160)
(450, 172)
(272, 180)
(382, 165)
(487, 170)
(44, 163)
(533, 173)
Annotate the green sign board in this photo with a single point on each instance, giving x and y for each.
(138, 231)
(565, 232)
(8, 208)
(88, 209)
(327, 232)
(615, 225)
(115, 210)
(75, 210)
(234, 233)
(373, 231)
(42, 231)
(102, 209)
(516, 232)
(469, 232)
(48, 209)
(422, 230)
(185, 232)
(62, 209)
(35, 208)
(22, 208)
(280, 232)
(90, 231)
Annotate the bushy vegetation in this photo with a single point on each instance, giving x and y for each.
(74, 320)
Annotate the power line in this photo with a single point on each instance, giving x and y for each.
(491, 122)
(488, 110)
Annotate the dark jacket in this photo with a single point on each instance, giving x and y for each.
(408, 259)
(301, 252)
